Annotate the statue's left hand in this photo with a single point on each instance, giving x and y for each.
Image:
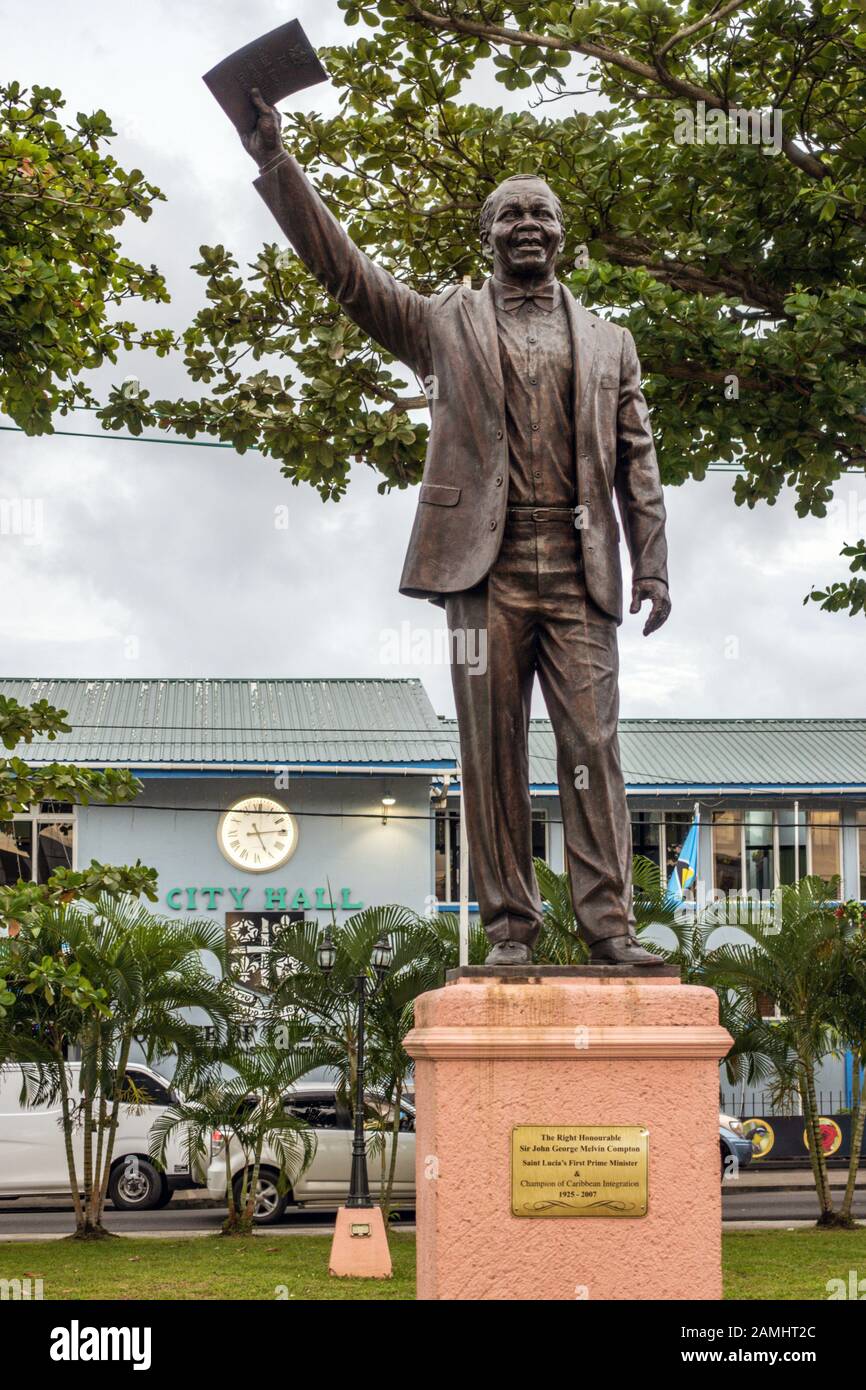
(657, 592)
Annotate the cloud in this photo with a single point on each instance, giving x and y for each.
(179, 548)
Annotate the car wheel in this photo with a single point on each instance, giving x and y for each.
(135, 1186)
(270, 1203)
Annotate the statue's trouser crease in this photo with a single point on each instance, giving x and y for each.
(537, 618)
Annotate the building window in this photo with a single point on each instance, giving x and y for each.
(792, 846)
(34, 845)
(727, 851)
(767, 1006)
(447, 852)
(825, 844)
(861, 842)
(447, 835)
(646, 835)
(539, 835)
(760, 869)
(448, 857)
(677, 826)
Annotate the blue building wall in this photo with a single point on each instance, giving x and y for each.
(341, 838)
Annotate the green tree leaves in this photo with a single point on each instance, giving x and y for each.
(740, 272)
(21, 785)
(61, 267)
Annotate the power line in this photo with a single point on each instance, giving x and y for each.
(255, 449)
(683, 816)
(131, 438)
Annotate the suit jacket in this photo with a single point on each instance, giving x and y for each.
(450, 341)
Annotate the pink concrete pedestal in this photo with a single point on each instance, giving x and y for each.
(492, 1055)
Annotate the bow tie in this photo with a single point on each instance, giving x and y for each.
(513, 299)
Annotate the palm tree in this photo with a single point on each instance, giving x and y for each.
(559, 942)
(140, 977)
(50, 1004)
(795, 960)
(849, 1019)
(759, 1052)
(249, 1110)
(422, 949)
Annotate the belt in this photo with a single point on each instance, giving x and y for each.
(542, 514)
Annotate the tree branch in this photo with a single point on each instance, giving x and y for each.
(519, 38)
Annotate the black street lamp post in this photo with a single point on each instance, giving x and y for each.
(359, 1186)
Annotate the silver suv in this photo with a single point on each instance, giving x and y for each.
(325, 1184)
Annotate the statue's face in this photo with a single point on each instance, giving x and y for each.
(526, 235)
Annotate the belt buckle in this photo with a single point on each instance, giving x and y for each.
(539, 513)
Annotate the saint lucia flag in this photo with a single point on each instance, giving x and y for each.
(685, 870)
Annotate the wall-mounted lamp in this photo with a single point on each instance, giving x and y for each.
(387, 802)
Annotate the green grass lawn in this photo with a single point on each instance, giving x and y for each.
(790, 1264)
(200, 1268)
(763, 1264)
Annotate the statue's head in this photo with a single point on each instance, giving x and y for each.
(521, 226)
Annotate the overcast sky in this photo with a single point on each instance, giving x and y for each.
(164, 560)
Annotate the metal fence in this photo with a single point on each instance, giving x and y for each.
(745, 1104)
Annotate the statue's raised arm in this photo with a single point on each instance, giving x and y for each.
(392, 313)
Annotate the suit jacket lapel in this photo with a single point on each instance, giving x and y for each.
(481, 314)
(583, 343)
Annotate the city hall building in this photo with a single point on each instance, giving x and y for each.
(268, 796)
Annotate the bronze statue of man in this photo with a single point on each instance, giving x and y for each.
(537, 420)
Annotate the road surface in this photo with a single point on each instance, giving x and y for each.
(28, 1217)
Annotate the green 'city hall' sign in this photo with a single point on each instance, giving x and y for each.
(207, 898)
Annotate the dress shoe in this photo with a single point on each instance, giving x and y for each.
(622, 950)
(509, 953)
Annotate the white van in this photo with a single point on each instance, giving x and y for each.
(33, 1157)
(325, 1184)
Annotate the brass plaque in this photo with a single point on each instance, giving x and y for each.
(579, 1170)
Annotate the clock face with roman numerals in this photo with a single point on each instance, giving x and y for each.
(257, 834)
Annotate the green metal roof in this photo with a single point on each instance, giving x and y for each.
(390, 723)
(180, 723)
(689, 755)
(747, 753)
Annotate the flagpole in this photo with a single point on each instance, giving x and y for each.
(463, 920)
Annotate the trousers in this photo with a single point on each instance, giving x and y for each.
(531, 616)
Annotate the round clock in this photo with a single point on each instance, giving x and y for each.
(257, 834)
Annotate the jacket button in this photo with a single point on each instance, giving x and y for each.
(498, 482)
(493, 525)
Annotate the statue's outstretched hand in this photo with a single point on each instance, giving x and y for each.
(265, 141)
(657, 592)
